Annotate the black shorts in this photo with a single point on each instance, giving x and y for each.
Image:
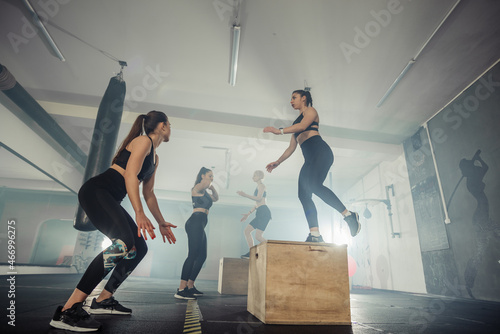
(262, 218)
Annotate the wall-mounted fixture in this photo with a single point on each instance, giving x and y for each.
(367, 213)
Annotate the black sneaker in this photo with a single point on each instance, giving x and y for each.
(312, 238)
(195, 292)
(353, 223)
(108, 306)
(184, 294)
(245, 256)
(74, 319)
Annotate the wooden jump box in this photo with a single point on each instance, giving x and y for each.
(299, 283)
(233, 276)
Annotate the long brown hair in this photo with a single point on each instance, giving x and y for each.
(146, 122)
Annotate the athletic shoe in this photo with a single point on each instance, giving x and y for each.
(195, 292)
(108, 306)
(184, 294)
(245, 256)
(74, 319)
(312, 238)
(353, 223)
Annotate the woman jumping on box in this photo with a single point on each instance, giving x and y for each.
(318, 160)
(262, 216)
(195, 229)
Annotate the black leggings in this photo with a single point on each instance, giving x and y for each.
(318, 160)
(197, 244)
(100, 198)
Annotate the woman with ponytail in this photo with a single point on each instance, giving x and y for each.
(318, 160)
(136, 162)
(195, 229)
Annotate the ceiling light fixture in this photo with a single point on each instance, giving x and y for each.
(234, 55)
(414, 59)
(43, 30)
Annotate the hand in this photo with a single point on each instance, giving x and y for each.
(245, 216)
(241, 193)
(272, 166)
(144, 225)
(167, 232)
(476, 156)
(272, 129)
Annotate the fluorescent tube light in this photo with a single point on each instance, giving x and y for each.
(234, 55)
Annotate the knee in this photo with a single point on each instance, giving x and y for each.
(305, 196)
(142, 251)
(114, 253)
(203, 255)
(131, 254)
(260, 237)
(138, 251)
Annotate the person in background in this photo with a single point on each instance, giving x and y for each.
(195, 229)
(262, 215)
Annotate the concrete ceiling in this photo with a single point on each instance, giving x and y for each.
(178, 55)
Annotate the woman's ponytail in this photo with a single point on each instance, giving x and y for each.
(135, 131)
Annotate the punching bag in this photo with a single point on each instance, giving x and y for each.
(103, 142)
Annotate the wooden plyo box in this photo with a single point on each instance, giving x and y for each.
(299, 283)
(233, 276)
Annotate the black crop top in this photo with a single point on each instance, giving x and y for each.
(204, 202)
(299, 119)
(148, 166)
(257, 191)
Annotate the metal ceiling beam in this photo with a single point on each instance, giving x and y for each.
(38, 119)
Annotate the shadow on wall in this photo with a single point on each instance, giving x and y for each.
(474, 170)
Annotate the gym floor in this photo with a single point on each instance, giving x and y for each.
(155, 310)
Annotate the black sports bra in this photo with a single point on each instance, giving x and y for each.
(204, 202)
(148, 166)
(298, 120)
(257, 191)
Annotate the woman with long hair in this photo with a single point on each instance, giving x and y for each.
(262, 215)
(318, 160)
(195, 229)
(135, 162)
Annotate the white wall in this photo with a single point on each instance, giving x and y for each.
(384, 262)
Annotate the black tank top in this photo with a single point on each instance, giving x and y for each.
(299, 119)
(204, 202)
(148, 166)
